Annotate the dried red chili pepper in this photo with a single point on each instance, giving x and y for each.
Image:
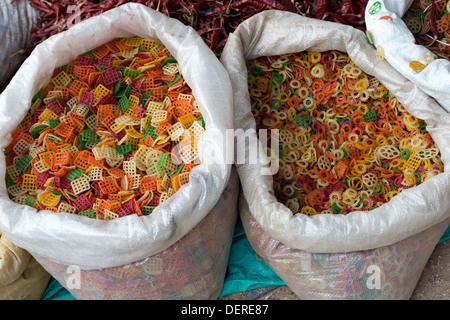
(72, 18)
(274, 4)
(204, 30)
(203, 16)
(320, 8)
(433, 19)
(225, 7)
(334, 17)
(41, 6)
(346, 6)
(165, 9)
(215, 34)
(307, 8)
(430, 35)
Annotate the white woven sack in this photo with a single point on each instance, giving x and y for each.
(400, 49)
(74, 240)
(408, 213)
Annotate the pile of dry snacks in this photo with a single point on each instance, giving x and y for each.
(113, 133)
(345, 143)
(429, 21)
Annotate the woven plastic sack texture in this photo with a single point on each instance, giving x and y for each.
(21, 277)
(192, 268)
(69, 239)
(385, 273)
(410, 213)
(16, 21)
(400, 48)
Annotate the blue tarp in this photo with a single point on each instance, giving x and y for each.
(246, 270)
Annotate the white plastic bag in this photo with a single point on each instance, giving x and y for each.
(408, 214)
(400, 49)
(21, 276)
(194, 267)
(69, 239)
(16, 21)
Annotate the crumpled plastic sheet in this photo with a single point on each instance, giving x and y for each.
(400, 49)
(21, 276)
(385, 273)
(16, 21)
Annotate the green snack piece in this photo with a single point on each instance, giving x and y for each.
(180, 168)
(82, 145)
(405, 154)
(162, 160)
(117, 86)
(30, 201)
(90, 55)
(150, 132)
(378, 188)
(38, 95)
(87, 213)
(276, 104)
(278, 78)
(123, 149)
(131, 73)
(146, 210)
(177, 77)
(370, 116)
(54, 191)
(369, 37)
(72, 175)
(127, 90)
(89, 136)
(36, 130)
(123, 104)
(256, 71)
(53, 123)
(336, 209)
(201, 121)
(9, 181)
(303, 120)
(24, 162)
(145, 97)
(168, 60)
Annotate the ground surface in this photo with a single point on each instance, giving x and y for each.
(433, 285)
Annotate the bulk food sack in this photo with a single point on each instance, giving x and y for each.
(351, 209)
(17, 19)
(115, 181)
(21, 277)
(397, 33)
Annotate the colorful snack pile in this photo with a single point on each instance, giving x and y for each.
(345, 143)
(429, 21)
(113, 133)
